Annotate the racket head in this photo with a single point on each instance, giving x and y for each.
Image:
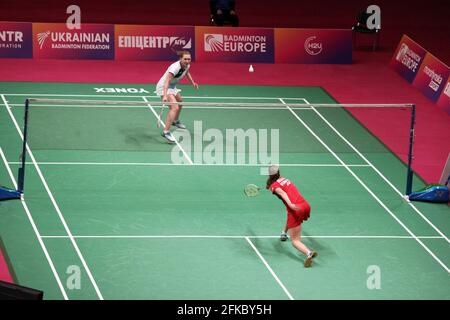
(251, 190)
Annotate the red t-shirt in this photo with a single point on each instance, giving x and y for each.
(287, 186)
(294, 218)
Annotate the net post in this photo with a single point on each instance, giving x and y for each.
(410, 173)
(21, 177)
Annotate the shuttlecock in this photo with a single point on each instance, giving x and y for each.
(250, 69)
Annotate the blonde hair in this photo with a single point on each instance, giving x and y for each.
(182, 53)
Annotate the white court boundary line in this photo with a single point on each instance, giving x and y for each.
(55, 205)
(163, 124)
(35, 229)
(365, 186)
(378, 172)
(183, 164)
(269, 268)
(230, 237)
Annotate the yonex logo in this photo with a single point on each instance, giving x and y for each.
(213, 42)
(41, 38)
(313, 48)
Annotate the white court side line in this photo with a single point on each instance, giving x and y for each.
(368, 189)
(232, 237)
(36, 231)
(163, 124)
(378, 172)
(55, 205)
(269, 268)
(183, 164)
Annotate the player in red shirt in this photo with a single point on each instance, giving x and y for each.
(298, 210)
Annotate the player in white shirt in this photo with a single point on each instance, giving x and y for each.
(167, 90)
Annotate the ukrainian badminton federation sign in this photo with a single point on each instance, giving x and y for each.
(56, 41)
(137, 42)
(15, 40)
(234, 44)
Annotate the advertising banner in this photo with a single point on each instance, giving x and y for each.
(432, 76)
(444, 100)
(230, 44)
(407, 58)
(138, 42)
(313, 46)
(15, 40)
(56, 41)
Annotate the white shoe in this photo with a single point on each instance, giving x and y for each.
(309, 258)
(283, 237)
(168, 136)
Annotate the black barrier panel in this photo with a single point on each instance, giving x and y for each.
(10, 291)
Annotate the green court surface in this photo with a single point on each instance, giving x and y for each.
(111, 211)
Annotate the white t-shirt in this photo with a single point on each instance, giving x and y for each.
(178, 74)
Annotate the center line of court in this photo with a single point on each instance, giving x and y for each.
(269, 268)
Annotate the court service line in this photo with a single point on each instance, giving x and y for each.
(368, 189)
(377, 171)
(231, 237)
(194, 164)
(163, 124)
(55, 205)
(36, 231)
(269, 268)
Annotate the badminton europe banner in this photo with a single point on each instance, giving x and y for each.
(423, 70)
(407, 58)
(15, 40)
(56, 41)
(313, 45)
(228, 44)
(138, 42)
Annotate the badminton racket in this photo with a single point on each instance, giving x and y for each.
(251, 190)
